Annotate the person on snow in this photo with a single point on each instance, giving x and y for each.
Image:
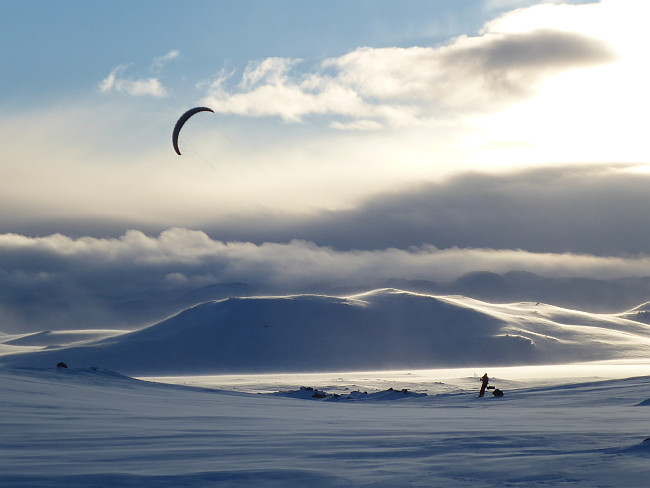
(484, 383)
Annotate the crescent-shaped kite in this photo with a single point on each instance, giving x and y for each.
(181, 121)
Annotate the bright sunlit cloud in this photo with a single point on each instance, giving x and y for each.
(593, 114)
(145, 86)
(551, 83)
(408, 86)
(151, 86)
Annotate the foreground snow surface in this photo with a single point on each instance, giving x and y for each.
(91, 427)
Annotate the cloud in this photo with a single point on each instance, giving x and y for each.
(512, 66)
(139, 87)
(268, 88)
(57, 281)
(160, 61)
(408, 86)
(592, 209)
(188, 256)
(356, 125)
(148, 86)
(589, 209)
(270, 71)
(62, 170)
(502, 4)
(486, 97)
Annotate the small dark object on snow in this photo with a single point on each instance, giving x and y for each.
(403, 390)
(497, 393)
(61, 365)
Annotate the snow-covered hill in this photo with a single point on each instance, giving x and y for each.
(381, 329)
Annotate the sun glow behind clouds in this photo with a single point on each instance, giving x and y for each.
(595, 114)
(549, 84)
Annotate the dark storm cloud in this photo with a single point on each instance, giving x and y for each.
(540, 49)
(505, 67)
(581, 209)
(589, 209)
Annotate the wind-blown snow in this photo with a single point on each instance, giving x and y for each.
(378, 330)
(59, 337)
(78, 428)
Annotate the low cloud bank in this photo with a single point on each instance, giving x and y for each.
(60, 282)
(191, 257)
(592, 210)
(598, 210)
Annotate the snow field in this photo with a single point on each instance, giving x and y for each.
(77, 428)
(559, 424)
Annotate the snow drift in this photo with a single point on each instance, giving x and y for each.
(382, 329)
(80, 428)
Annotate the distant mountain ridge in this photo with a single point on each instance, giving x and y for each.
(380, 329)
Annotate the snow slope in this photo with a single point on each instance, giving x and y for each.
(378, 330)
(59, 338)
(48, 339)
(79, 428)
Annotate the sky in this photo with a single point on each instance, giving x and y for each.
(378, 139)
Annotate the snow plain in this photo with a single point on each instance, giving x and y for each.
(81, 428)
(557, 425)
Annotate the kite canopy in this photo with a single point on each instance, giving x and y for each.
(181, 121)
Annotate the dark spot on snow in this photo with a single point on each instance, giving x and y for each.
(307, 392)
